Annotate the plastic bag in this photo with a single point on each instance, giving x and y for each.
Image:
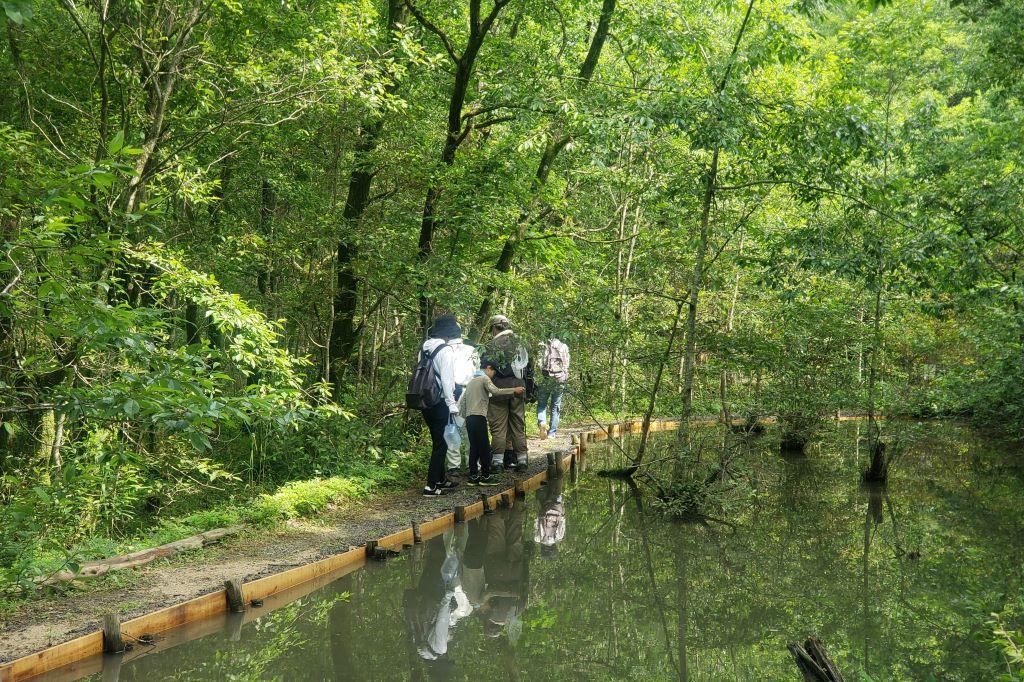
(452, 436)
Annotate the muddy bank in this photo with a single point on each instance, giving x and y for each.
(54, 619)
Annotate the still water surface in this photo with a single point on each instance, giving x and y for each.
(581, 582)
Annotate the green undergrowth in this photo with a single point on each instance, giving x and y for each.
(258, 513)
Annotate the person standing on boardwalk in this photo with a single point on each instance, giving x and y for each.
(438, 415)
(506, 416)
(554, 369)
(473, 406)
(467, 362)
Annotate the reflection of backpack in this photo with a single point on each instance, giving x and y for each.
(424, 391)
(556, 360)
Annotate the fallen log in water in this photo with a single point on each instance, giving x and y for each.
(814, 662)
(94, 569)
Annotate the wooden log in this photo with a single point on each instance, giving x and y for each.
(233, 593)
(814, 662)
(460, 514)
(113, 643)
(94, 569)
(417, 535)
(520, 491)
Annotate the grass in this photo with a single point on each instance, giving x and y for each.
(302, 499)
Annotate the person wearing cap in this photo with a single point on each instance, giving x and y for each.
(506, 416)
(443, 332)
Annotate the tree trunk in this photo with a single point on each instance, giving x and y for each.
(730, 317)
(878, 470)
(58, 442)
(23, 104)
(454, 136)
(652, 402)
(342, 339)
(556, 143)
(690, 355)
(161, 78)
(693, 297)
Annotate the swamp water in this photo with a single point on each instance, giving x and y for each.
(576, 583)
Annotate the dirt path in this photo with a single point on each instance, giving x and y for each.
(45, 622)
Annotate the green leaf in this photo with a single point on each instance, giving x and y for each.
(116, 144)
(18, 12)
(130, 407)
(42, 494)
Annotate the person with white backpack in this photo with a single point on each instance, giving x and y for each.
(467, 364)
(554, 366)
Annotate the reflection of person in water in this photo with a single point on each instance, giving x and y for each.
(428, 607)
(495, 573)
(550, 527)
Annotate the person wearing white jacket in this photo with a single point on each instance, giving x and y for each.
(467, 362)
(444, 332)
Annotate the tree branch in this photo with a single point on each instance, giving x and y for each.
(433, 28)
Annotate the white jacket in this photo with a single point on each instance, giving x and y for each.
(467, 361)
(445, 363)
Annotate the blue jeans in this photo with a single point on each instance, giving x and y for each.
(549, 392)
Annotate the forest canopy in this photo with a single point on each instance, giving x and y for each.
(225, 227)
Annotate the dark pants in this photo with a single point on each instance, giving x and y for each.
(437, 418)
(479, 445)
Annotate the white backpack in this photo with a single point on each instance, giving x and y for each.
(555, 361)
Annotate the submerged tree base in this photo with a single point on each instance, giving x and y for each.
(792, 444)
(878, 472)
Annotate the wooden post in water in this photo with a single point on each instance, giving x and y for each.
(520, 490)
(417, 535)
(233, 592)
(507, 499)
(112, 668)
(486, 502)
(460, 514)
(113, 643)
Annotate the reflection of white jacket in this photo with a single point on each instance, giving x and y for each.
(436, 644)
(445, 364)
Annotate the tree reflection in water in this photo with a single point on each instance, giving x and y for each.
(584, 581)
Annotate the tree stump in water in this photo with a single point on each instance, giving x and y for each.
(878, 472)
(814, 662)
(792, 442)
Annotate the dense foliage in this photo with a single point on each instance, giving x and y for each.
(223, 226)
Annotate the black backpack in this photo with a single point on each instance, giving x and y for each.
(424, 391)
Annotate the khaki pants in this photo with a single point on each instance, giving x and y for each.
(506, 419)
